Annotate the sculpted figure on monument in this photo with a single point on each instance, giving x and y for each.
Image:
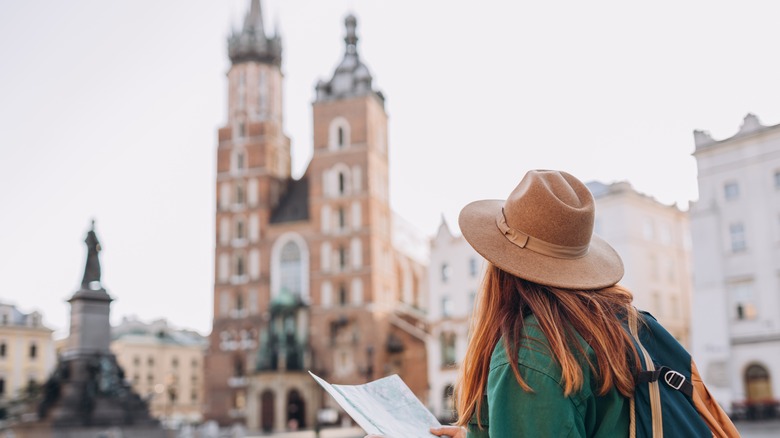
(92, 270)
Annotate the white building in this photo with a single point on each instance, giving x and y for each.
(454, 276)
(653, 239)
(735, 227)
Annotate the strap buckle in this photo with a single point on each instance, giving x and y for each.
(674, 379)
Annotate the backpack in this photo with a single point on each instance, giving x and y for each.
(670, 398)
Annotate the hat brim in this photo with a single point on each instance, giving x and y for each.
(599, 268)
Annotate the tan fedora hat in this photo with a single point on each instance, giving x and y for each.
(543, 233)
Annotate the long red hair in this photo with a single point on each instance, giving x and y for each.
(597, 316)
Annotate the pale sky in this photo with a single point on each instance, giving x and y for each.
(109, 110)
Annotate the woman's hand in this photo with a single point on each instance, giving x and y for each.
(450, 431)
(446, 431)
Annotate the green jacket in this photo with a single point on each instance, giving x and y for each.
(511, 412)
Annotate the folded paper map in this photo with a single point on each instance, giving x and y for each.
(384, 407)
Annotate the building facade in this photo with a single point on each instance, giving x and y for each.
(454, 276)
(736, 255)
(653, 239)
(164, 365)
(309, 275)
(27, 353)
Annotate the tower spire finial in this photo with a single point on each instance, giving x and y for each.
(351, 38)
(254, 19)
(251, 43)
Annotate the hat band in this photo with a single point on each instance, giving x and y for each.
(538, 246)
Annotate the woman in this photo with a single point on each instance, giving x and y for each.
(548, 356)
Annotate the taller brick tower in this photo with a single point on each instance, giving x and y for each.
(309, 275)
(253, 172)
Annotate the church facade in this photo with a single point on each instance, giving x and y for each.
(307, 272)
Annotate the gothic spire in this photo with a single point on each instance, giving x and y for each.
(251, 43)
(352, 77)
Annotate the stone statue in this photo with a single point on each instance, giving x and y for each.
(92, 270)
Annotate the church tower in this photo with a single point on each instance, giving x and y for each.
(253, 172)
(358, 333)
(307, 274)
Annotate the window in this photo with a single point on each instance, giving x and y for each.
(473, 267)
(33, 351)
(342, 218)
(240, 161)
(2, 386)
(742, 301)
(338, 134)
(448, 349)
(240, 197)
(240, 229)
(446, 272)
(175, 362)
(241, 127)
(737, 235)
(150, 362)
(262, 101)
(291, 270)
(137, 361)
(342, 295)
(342, 258)
(731, 190)
(239, 301)
(446, 307)
(240, 269)
(2, 349)
(648, 229)
(777, 179)
(342, 183)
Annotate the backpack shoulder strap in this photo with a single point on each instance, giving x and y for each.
(655, 392)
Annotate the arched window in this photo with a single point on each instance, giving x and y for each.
(290, 266)
(343, 295)
(447, 349)
(33, 351)
(339, 134)
(291, 269)
(342, 219)
(342, 258)
(240, 233)
(342, 184)
(240, 196)
(239, 301)
(240, 160)
(758, 385)
(240, 266)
